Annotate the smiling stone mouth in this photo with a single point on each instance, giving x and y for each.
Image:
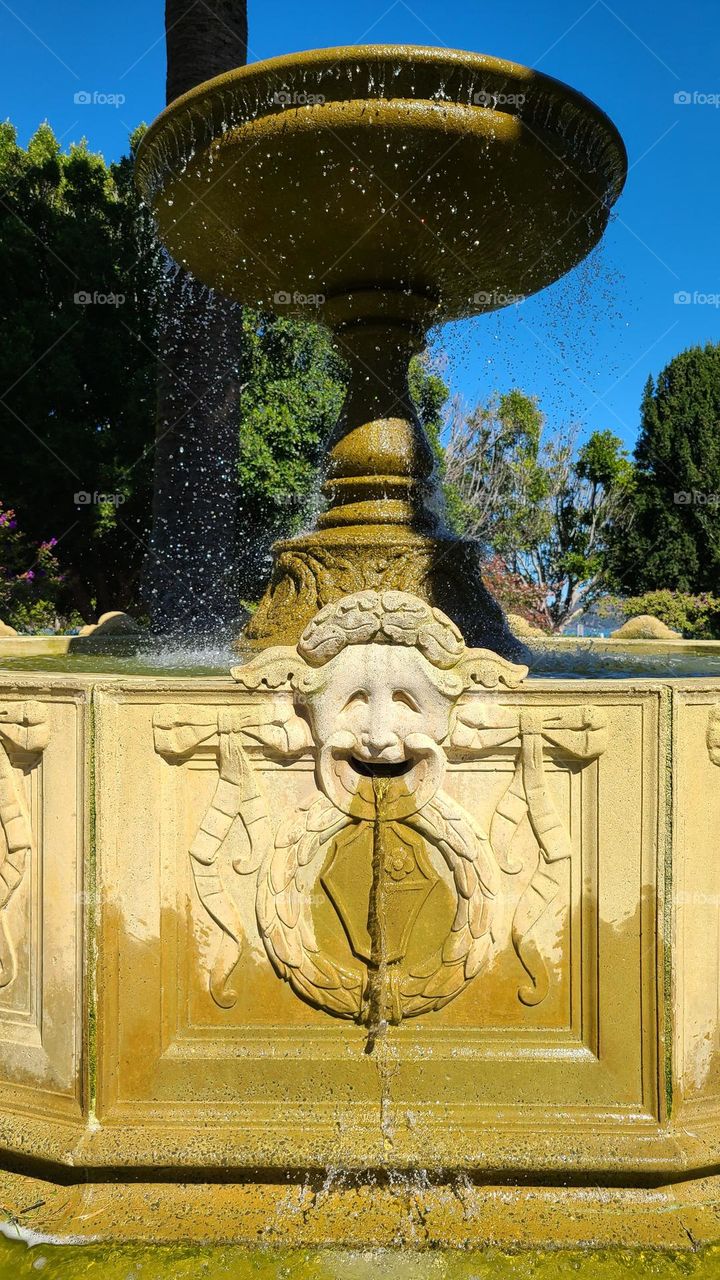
(378, 769)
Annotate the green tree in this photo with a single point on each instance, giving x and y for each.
(292, 392)
(78, 381)
(674, 538)
(534, 499)
(77, 377)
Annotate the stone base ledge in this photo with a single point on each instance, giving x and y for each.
(288, 1215)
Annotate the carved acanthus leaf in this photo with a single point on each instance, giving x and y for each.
(482, 669)
(272, 669)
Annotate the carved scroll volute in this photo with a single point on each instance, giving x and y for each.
(24, 727)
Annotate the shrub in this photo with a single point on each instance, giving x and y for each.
(30, 580)
(695, 617)
(515, 595)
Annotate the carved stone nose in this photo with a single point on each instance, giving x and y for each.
(378, 739)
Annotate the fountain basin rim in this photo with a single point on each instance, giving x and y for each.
(420, 57)
(415, 55)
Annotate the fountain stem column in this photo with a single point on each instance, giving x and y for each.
(380, 530)
(380, 463)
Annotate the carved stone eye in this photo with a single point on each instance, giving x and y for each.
(359, 696)
(406, 699)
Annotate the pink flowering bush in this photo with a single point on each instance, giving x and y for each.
(30, 578)
(514, 594)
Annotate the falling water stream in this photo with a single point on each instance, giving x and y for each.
(381, 970)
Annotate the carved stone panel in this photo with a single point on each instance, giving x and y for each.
(326, 936)
(696, 902)
(42, 839)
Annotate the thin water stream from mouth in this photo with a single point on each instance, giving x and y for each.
(377, 1023)
(381, 968)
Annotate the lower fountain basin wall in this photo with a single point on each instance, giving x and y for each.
(143, 1026)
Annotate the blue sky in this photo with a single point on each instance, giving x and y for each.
(586, 345)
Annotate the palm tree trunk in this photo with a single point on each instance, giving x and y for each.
(190, 572)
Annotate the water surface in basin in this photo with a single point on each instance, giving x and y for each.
(584, 660)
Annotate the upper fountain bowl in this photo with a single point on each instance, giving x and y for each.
(310, 183)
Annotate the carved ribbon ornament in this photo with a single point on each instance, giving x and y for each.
(580, 733)
(23, 727)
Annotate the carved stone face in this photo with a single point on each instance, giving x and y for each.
(379, 712)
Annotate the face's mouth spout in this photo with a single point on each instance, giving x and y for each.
(378, 769)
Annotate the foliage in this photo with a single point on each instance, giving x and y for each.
(536, 500)
(77, 414)
(674, 539)
(429, 394)
(30, 579)
(515, 595)
(77, 369)
(695, 617)
(292, 391)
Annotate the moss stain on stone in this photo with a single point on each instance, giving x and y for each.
(17, 1262)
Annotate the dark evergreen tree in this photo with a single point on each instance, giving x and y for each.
(674, 537)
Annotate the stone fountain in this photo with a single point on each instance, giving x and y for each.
(373, 940)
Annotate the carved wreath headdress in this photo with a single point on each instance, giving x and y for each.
(380, 617)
